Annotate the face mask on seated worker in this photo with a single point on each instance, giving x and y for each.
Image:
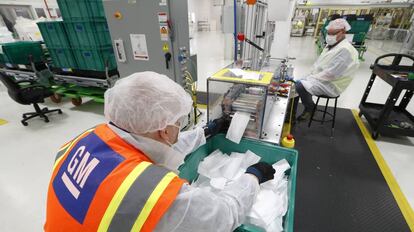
(330, 39)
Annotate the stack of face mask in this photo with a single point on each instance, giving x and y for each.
(218, 170)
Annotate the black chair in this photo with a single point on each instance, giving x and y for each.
(28, 94)
(333, 116)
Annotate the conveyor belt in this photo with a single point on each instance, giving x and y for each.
(339, 184)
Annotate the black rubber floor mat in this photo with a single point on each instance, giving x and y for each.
(339, 185)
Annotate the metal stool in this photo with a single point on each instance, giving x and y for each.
(325, 112)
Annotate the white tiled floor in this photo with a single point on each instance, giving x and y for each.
(27, 153)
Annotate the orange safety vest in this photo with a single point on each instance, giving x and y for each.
(102, 183)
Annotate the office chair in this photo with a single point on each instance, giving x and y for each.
(27, 95)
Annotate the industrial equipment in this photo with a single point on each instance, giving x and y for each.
(235, 90)
(150, 35)
(256, 34)
(248, 85)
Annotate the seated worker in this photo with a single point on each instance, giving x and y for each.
(333, 70)
(122, 175)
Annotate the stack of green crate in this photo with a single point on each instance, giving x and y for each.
(56, 40)
(88, 34)
(21, 52)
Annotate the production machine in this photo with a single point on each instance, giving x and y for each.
(150, 35)
(250, 84)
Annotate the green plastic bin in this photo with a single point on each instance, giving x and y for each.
(21, 51)
(88, 34)
(54, 34)
(94, 59)
(3, 58)
(269, 153)
(62, 58)
(74, 10)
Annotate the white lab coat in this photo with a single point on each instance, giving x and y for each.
(197, 209)
(333, 70)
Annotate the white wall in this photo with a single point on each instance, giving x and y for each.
(34, 4)
(280, 46)
(204, 10)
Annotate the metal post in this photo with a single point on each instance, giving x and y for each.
(235, 30)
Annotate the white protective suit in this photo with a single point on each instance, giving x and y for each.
(197, 209)
(333, 70)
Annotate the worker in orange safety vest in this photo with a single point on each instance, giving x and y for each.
(122, 175)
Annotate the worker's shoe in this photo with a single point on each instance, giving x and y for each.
(305, 116)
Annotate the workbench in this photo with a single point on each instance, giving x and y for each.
(388, 118)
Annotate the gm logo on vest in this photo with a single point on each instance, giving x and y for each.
(78, 171)
(86, 166)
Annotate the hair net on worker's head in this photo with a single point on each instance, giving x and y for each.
(338, 24)
(146, 102)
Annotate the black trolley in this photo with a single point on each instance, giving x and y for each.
(388, 118)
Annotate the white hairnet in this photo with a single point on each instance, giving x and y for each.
(338, 24)
(146, 102)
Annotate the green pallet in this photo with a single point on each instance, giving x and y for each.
(74, 10)
(94, 59)
(20, 52)
(88, 34)
(62, 58)
(269, 153)
(54, 34)
(77, 92)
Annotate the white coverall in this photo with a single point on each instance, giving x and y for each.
(333, 70)
(196, 209)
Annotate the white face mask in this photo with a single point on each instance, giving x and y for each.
(330, 39)
(190, 140)
(168, 142)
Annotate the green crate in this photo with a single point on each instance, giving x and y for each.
(359, 38)
(21, 51)
(62, 58)
(81, 9)
(359, 26)
(269, 153)
(54, 34)
(94, 59)
(88, 34)
(3, 58)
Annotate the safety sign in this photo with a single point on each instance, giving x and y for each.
(165, 48)
(164, 32)
(162, 17)
(139, 47)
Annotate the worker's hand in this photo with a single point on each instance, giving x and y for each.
(216, 126)
(263, 171)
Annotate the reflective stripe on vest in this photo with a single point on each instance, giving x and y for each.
(68, 146)
(134, 194)
(133, 199)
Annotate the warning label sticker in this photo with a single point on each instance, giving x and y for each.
(139, 47)
(162, 17)
(164, 32)
(165, 47)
